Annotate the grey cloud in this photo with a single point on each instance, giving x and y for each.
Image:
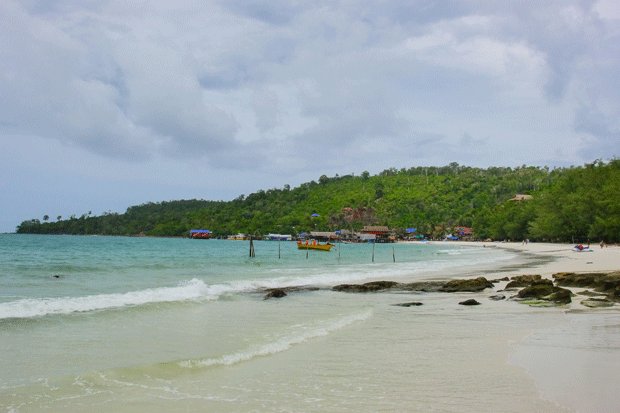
(224, 80)
(602, 132)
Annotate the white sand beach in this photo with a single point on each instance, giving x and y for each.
(565, 258)
(558, 257)
(575, 361)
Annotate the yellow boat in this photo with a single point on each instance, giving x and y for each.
(313, 245)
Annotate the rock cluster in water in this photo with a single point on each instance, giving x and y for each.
(607, 284)
(531, 289)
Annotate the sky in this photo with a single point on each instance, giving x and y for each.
(109, 104)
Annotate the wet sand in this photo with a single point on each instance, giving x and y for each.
(575, 361)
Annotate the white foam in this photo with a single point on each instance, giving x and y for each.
(280, 345)
(35, 307)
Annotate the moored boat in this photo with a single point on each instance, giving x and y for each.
(313, 245)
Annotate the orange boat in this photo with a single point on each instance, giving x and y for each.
(313, 245)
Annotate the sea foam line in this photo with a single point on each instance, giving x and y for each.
(36, 307)
(280, 345)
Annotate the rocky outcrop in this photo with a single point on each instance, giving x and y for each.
(373, 286)
(606, 283)
(411, 304)
(545, 290)
(597, 302)
(471, 301)
(497, 297)
(467, 285)
(571, 279)
(423, 286)
(284, 291)
(497, 280)
(559, 296)
(275, 293)
(519, 281)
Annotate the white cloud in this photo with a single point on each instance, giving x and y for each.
(269, 91)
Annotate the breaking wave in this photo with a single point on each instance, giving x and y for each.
(36, 307)
(279, 345)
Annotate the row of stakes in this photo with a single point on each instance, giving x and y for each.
(253, 251)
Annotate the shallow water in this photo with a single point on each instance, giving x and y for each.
(136, 324)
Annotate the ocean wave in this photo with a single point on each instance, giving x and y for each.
(279, 345)
(36, 307)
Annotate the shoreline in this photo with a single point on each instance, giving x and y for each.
(554, 257)
(566, 359)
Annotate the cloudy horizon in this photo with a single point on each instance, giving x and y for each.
(108, 104)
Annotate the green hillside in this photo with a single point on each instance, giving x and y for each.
(568, 204)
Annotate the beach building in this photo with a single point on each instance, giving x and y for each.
(200, 234)
(381, 233)
(348, 235)
(278, 237)
(238, 237)
(323, 236)
(521, 197)
(464, 233)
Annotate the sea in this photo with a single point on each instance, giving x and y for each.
(129, 324)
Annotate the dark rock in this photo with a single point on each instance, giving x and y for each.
(471, 301)
(299, 288)
(275, 293)
(372, 286)
(471, 285)
(589, 293)
(519, 281)
(56, 276)
(411, 304)
(545, 290)
(560, 296)
(571, 279)
(597, 302)
(424, 286)
(497, 297)
(497, 280)
(537, 289)
(606, 283)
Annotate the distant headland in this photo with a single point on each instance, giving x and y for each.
(576, 204)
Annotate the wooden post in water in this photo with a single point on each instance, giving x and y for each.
(393, 254)
(279, 255)
(252, 253)
(374, 243)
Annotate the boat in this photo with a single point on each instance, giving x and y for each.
(313, 245)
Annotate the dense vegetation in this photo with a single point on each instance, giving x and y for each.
(569, 204)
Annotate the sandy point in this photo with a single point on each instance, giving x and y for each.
(558, 257)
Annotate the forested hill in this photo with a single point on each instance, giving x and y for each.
(569, 204)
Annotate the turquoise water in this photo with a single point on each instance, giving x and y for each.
(159, 325)
(64, 274)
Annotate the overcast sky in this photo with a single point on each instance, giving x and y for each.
(108, 104)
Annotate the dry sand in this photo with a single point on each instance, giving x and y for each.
(559, 257)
